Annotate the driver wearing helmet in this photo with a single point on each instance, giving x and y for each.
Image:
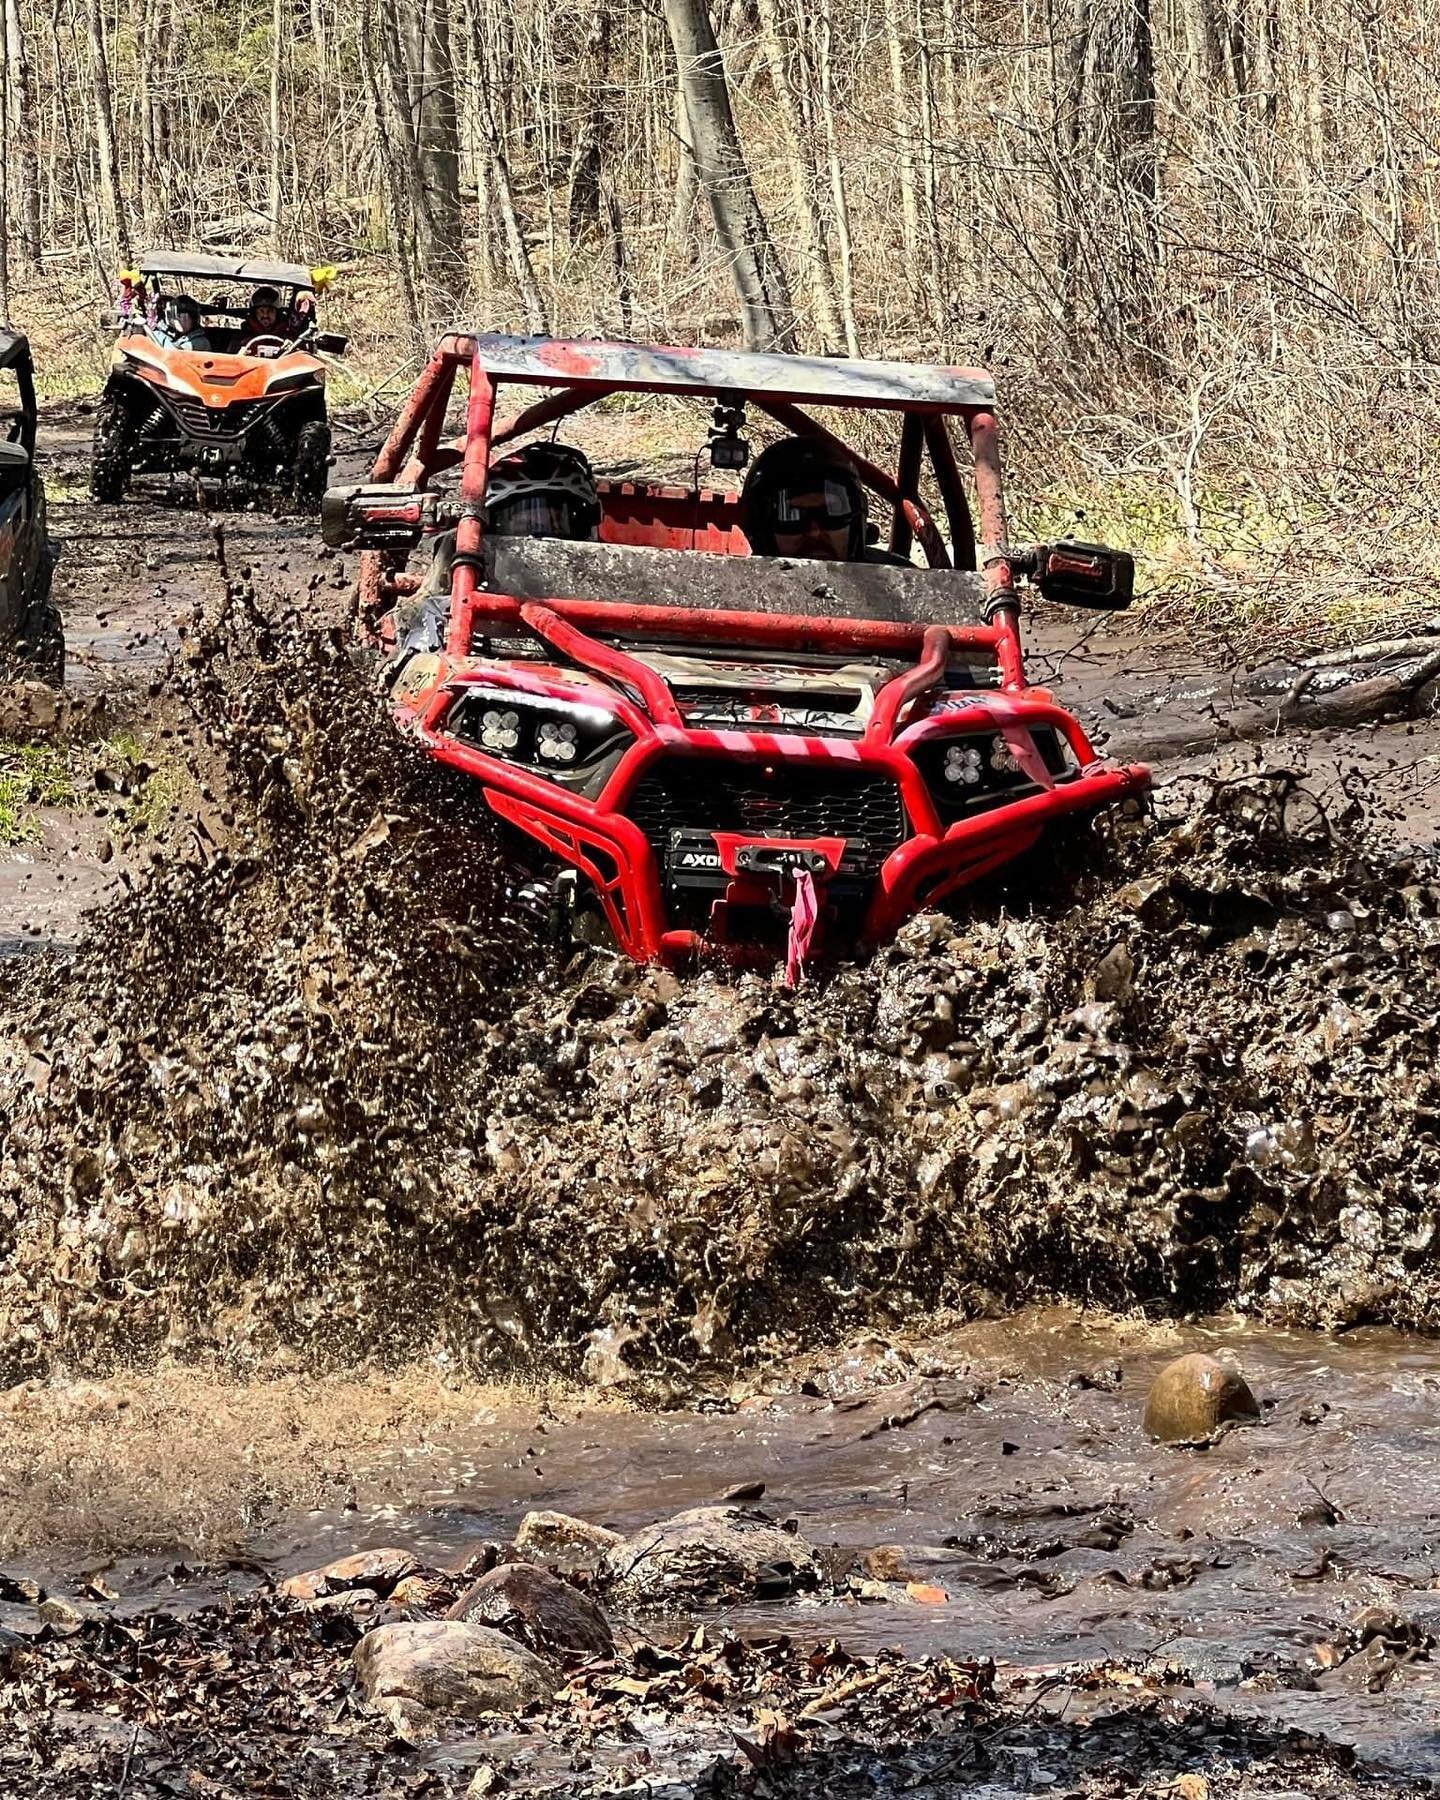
(804, 498)
(545, 491)
(179, 325)
(541, 491)
(263, 319)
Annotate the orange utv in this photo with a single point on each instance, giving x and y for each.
(224, 399)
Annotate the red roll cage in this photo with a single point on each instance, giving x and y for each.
(782, 387)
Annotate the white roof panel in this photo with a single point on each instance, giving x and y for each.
(822, 380)
(224, 268)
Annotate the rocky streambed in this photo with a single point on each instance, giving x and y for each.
(958, 1564)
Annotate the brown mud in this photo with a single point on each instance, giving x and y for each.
(308, 1084)
(311, 1086)
(306, 1091)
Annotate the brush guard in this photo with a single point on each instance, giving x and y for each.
(594, 833)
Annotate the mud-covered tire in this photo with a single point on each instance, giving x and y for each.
(310, 470)
(111, 452)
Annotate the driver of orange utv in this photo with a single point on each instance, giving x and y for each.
(802, 498)
(263, 319)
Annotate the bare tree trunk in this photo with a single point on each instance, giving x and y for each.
(498, 180)
(587, 160)
(594, 204)
(839, 199)
(25, 130)
(425, 32)
(764, 292)
(937, 305)
(619, 260)
(1068, 115)
(902, 123)
(803, 175)
(1127, 140)
(517, 251)
(5, 193)
(687, 186)
(393, 174)
(277, 141)
(1206, 33)
(1262, 40)
(490, 262)
(105, 132)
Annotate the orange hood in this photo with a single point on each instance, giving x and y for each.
(211, 375)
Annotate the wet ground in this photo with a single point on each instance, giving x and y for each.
(281, 1103)
(1000, 1472)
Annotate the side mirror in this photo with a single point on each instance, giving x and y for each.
(331, 343)
(374, 517)
(1071, 574)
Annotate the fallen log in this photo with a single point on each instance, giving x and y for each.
(1279, 698)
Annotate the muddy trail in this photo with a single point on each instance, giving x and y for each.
(289, 1084)
(950, 1563)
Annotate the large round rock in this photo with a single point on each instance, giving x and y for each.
(710, 1553)
(449, 1666)
(538, 1608)
(558, 1538)
(1193, 1397)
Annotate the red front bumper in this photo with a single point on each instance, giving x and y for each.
(600, 840)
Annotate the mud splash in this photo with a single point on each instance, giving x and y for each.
(310, 1087)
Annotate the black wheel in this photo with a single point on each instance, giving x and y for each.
(111, 451)
(310, 470)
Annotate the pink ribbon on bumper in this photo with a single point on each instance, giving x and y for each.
(804, 913)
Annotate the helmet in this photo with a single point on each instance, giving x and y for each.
(264, 296)
(802, 466)
(542, 490)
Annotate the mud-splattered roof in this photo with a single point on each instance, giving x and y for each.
(224, 268)
(825, 380)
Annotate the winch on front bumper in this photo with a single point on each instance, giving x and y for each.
(697, 838)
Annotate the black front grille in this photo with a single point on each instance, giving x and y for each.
(219, 424)
(796, 800)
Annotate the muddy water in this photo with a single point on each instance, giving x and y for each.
(1007, 1464)
(1211, 1080)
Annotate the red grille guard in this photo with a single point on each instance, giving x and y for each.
(612, 852)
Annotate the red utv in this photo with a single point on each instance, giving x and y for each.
(720, 751)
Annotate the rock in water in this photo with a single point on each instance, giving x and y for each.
(448, 1666)
(1192, 1397)
(557, 1537)
(535, 1606)
(710, 1553)
(377, 1570)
